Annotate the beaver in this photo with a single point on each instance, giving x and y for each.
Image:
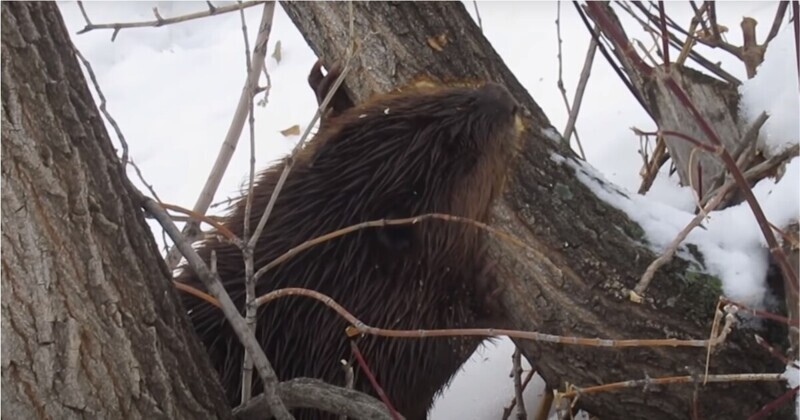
(443, 149)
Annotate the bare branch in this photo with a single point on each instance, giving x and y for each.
(359, 327)
(667, 255)
(712, 19)
(698, 15)
(290, 160)
(103, 104)
(691, 38)
(776, 403)
(792, 322)
(83, 12)
(214, 285)
(776, 23)
(546, 403)
(742, 153)
(313, 393)
(796, 25)
(573, 113)
(374, 381)
(650, 382)
(664, 36)
(579, 91)
(247, 254)
(507, 410)
(517, 363)
(614, 65)
(234, 131)
(141, 178)
(478, 14)
(160, 21)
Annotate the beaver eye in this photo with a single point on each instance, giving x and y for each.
(515, 110)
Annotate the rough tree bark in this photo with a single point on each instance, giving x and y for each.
(586, 255)
(91, 324)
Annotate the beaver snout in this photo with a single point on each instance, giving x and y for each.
(495, 97)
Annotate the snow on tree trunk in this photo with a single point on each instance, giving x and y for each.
(91, 324)
(584, 254)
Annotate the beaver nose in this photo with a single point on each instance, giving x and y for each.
(496, 97)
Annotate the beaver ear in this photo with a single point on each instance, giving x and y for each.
(321, 85)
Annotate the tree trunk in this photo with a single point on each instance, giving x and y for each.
(92, 327)
(584, 255)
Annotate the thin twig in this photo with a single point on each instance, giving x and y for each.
(83, 12)
(774, 404)
(234, 131)
(148, 185)
(116, 27)
(478, 15)
(385, 222)
(570, 112)
(774, 352)
(761, 314)
(358, 327)
(748, 141)
(111, 120)
(689, 379)
(688, 46)
(517, 363)
(290, 160)
(614, 65)
(214, 285)
(698, 15)
(796, 21)
(513, 402)
(696, 403)
(220, 228)
(247, 254)
(651, 167)
(714, 68)
(579, 91)
(349, 379)
(251, 124)
(776, 23)
(664, 37)
(669, 252)
(696, 142)
(375, 385)
(712, 20)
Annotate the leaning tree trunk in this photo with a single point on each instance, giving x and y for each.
(583, 255)
(91, 324)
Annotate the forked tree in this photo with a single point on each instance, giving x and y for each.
(91, 323)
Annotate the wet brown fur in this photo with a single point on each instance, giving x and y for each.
(422, 150)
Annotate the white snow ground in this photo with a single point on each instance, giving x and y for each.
(173, 91)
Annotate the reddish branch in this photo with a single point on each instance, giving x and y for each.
(378, 389)
(620, 41)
